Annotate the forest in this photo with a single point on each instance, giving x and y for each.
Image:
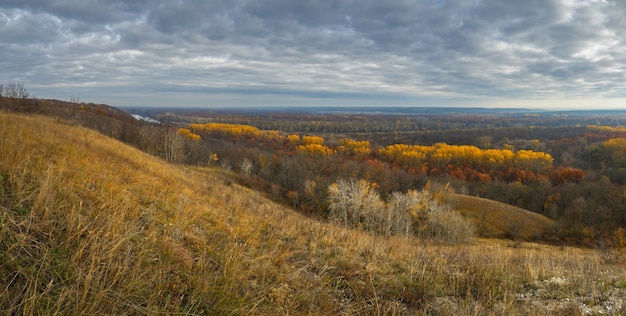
(570, 167)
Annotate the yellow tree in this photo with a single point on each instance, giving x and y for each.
(188, 134)
(616, 149)
(314, 150)
(236, 130)
(535, 161)
(442, 155)
(357, 149)
(293, 139)
(412, 158)
(310, 140)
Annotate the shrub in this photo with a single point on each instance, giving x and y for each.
(446, 224)
(354, 203)
(357, 204)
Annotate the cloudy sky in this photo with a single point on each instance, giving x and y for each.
(214, 53)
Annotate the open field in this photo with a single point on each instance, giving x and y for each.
(92, 226)
(495, 219)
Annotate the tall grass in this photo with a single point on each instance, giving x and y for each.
(91, 226)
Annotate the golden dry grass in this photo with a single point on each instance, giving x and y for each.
(495, 219)
(92, 226)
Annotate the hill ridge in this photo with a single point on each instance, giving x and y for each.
(500, 220)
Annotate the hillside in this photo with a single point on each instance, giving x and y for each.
(496, 219)
(92, 226)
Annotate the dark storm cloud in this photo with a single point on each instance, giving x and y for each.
(317, 49)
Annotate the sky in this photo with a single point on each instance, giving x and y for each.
(251, 53)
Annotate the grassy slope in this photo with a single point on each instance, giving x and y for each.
(92, 226)
(495, 219)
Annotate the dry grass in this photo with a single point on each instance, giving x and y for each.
(91, 226)
(495, 219)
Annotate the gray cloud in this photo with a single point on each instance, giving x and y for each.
(314, 52)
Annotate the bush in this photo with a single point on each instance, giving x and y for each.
(357, 204)
(446, 224)
(354, 203)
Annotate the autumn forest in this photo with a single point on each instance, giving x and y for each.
(570, 167)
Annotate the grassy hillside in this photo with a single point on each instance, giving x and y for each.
(92, 226)
(495, 219)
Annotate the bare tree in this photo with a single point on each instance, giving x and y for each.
(422, 212)
(354, 203)
(442, 222)
(399, 220)
(150, 138)
(246, 166)
(15, 90)
(357, 204)
(173, 145)
(447, 224)
(14, 93)
(70, 109)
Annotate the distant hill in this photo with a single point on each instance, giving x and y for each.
(496, 219)
(65, 109)
(365, 110)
